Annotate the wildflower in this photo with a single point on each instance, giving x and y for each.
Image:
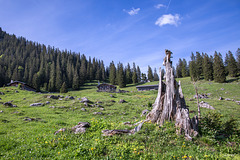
(206, 156)
(183, 146)
(92, 148)
(96, 139)
(184, 157)
(58, 152)
(134, 149)
(183, 143)
(190, 157)
(46, 142)
(120, 157)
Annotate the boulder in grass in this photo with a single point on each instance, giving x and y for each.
(60, 130)
(1, 111)
(81, 127)
(84, 99)
(83, 109)
(122, 101)
(228, 99)
(52, 97)
(9, 104)
(206, 105)
(97, 113)
(1, 93)
(47, 102)
(36, 104)
(220, 98)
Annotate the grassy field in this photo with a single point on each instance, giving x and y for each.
(20, 139)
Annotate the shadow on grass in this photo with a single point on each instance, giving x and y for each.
(234, 79)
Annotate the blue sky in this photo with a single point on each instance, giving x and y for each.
(127, 30)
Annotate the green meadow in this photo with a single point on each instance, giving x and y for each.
(20, 139)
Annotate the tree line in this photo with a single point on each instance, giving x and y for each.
(49, 69)
(209, 67)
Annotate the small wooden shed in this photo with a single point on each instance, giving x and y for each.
(147, 87)
(106, 88)
(24, 86)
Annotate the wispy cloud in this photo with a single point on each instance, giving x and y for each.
(133, 11)
(158, 6)
(168, 19)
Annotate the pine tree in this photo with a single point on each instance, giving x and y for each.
(128, 74)
(218, 68)
(134, 74)
(232, 65)
(112, 74)
(199, 65)
(193, 68)
(184, 68)
(64, 88)
(155, 77)
(58, 74)
(207, 68)
(138, 74)
(150, 74)
(36, 82)
(179, 68)
(120, 76)
(226, 64)
(52, 80)
(238, 59)
(76, 81)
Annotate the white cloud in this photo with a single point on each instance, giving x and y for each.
(158, 6)
(168, 19)
(133, 11)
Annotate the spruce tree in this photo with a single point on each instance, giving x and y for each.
(179, 68)
(238, 59)
(218, 68)
(207, 68)
(232, 65)
(36, 82)
(120, 76)
(76, 81)
(128, 74)
(134, 76)
(184, 68)
(199, 65)
(138, 74)
(155, 75)
(52, 80)
(150, 74)
(112, 74)
(193, 68)
(226, 63)
(58, 74)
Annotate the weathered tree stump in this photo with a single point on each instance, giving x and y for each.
(170, 103)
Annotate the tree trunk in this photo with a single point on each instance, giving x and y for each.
(170, 104)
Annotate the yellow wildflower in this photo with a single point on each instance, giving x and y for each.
(46, 142)
(92, 148)
(184, 157)
(58, 152)
(190, 157)
(206, 156)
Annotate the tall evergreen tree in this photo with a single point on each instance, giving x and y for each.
(52, 80)
(207, 68)
(184, 68)
(193, 69)
(76, 80)
(120, 76)
(179, 68)
(58, 74)
(134, 74)
(232, 65)
(199, 64)
(138, 74)
(128, 74)
(112, 74)
(218, 68)
(150, 74)
(238, 59)
(226, 64)
(155, 75)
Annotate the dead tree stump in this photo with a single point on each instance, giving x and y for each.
(170, 103)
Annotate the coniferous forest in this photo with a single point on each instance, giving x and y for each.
(49, 69)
